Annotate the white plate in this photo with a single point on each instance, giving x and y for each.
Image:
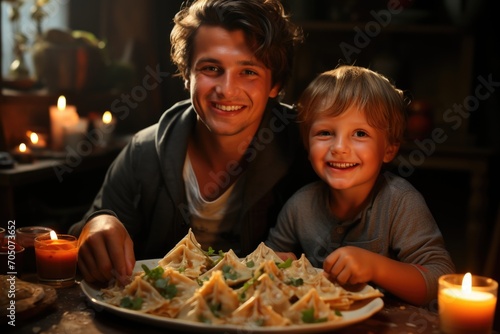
(348, 317)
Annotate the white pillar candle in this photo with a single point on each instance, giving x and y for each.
(61, 116)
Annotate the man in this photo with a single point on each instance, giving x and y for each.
(222, 163)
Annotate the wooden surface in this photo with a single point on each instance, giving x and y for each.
(73, 313)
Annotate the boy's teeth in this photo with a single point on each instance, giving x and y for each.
(228, 108)
(341, 164)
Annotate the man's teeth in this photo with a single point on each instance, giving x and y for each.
(341, 164)
(228, 108)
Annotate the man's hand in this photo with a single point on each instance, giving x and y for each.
(105, 250)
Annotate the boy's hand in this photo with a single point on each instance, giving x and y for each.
(350, 266)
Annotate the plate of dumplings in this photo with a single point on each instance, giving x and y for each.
(196, 290)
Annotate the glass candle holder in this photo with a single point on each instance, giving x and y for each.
(466, 304)
(56, 259)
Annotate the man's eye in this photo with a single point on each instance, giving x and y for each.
(210, 69)
(249, 72)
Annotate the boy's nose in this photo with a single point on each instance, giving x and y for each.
(339, 146)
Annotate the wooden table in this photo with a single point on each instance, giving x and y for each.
(73, 313)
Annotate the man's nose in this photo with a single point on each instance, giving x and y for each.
(228, 85)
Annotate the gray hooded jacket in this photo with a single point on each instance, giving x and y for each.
(144, 186)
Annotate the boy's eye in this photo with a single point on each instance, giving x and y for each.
(360, 133)
(323, 133)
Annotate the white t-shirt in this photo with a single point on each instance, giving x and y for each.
(207, 220)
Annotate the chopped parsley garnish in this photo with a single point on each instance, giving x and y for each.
(210, 253)
(285, 264)
(162, 285)
(167, 290)
(250, 264)
(153, 274)
(308, 317)
(295, 281)
(246, 286)
(260, 322)
(215, 308)
(131, 303)
(229, 272)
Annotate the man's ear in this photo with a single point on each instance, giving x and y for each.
(390, 152)
(275, 90)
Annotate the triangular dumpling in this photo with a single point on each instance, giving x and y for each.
(197, 309)
(188, 262)
(261, 254)
(254, 312)
(234, 272)
(184, 287)
(219, 295)
(271, 293)
(150, 298)
(309, 309)
(301, 268)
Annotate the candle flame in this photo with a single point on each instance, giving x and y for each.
(107, 117)
(34, 137)
(467, 283)
(61, 102)
(53, 235)
(22, 147)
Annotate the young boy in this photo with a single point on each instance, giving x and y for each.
(360, 224)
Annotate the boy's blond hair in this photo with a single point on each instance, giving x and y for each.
(333, 92)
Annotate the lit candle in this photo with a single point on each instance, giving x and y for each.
(61, 116)
(23, 154)
(36, 140)
(467, 308)
(56, 257)
(104, 128)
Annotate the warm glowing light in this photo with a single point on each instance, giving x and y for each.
(34, 137)
(53, 235)
(22, 147)
(467, 283)
(107, 117)
(61, 102)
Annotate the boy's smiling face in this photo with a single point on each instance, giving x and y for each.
(346, 152)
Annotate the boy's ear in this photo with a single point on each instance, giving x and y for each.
(390, 152)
